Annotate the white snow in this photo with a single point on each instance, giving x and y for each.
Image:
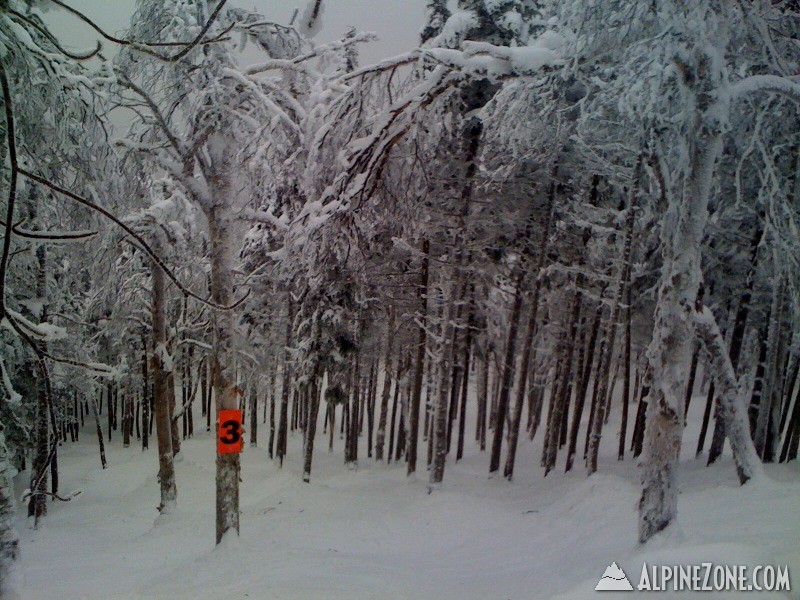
(373, 533)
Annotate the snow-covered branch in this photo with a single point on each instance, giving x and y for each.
(729, 394)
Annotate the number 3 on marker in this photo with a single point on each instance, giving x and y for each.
(229, 432)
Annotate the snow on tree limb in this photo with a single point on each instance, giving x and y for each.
(730, 394)
(765, 83)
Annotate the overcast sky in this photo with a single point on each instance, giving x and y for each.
(397, 22)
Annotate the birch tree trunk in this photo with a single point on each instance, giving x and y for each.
(224, 380)
(673, 337)
(161, 392)
(737, 342)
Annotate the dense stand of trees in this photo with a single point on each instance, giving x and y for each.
(535, 221)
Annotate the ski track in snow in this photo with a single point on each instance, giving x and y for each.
(373, 533)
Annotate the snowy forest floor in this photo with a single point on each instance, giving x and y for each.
(373, 533)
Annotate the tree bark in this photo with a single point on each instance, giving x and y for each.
(226, 395)
(580, 395)
(626, 381)
(419, 362)
(766, 407)
(283, 423)
(603, 373)
(161, 381)
(271, 411)
(439, 439)
(737, 342)
(530, 330)
(99, 428)
(462, 420)
(145, 396)
(37, 504)
(254, 417)
(311, 427)
(562, 403)
(483, 399)
(387, 383)
(507, 381)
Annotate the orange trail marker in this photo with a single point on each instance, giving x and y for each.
(229, 432)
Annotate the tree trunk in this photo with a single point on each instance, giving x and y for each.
(595, 396)
(507, 381)
(483, 399)
(673, 336)
(701, 440)
(439, 439)
(530, 330)
(221, 235)
(373, 375)
(603, 373)
(9, 540)
(283, 423)
(387, 382)
(676, 324)
(561, 405)
(788, 388)
(110, 409)
(731, 400)
(419, 363)
(767, 407)
(145, 396)
(737, 342)
(352, 456)
(100, 442)
(37, 504)
(254, 417)
(792, 440)
(127, 418)
(690, 384)
(311, 427)
(271, 411)
(170, 390)
(462, 421)
(580, 394)
(395, 404)
(161, 383)
(455, 371)
(626, 381)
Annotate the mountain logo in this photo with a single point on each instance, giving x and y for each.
(614, 580)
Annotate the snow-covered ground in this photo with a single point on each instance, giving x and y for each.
(373, 533)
